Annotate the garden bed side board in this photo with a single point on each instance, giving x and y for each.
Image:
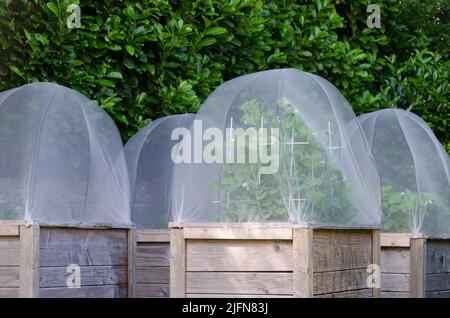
(271, 260)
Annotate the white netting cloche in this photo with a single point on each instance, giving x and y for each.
(62, 160)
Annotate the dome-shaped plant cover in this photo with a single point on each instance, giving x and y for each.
(150, 164)
(62, 160)
(275, 146)
(414, 172)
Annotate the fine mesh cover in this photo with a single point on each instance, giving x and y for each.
(61, 159)
(276, 146)
(150, 168)
(414, 170)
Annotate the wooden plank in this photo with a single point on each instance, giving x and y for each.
(384, 294)
(150, 235)
(7, 292)
(9, 251)
(9, 230)
(152, 254)
(438, 256)
(376, 260)
(231, 296)
(177, 264)
(340, 281)
(55, 237)
(238, 283)
(438, 294)
(395, 260)
(107, 291)
(341, 249)
(437, 282)
(131, 268)
(360, 293)
(152, 290)
(418, 270)
(238, 255)
(395, 282)
(90, 276)
(232, 233)
(395, 239)
(303, 263)
(153, 275)
(29, 261)
(9, 276)
(64, 255)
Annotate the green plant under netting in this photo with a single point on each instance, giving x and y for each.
(405, 211)
(315, 191)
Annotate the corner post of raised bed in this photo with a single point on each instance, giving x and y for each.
(417, 267)
(131, 263)
(29, 261)
(376, 250)
(177, 263)
(302, 240)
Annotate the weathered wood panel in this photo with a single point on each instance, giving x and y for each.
(340, 281)
(438, 294)
(90, 276)
(438, 256)
(8, 292)
(394, 282)
(302, 270)
(238, 255)
(29, 261)
(150, 235)
(153, 275)
(395, 260)
(177, 264)
(384, 294)
(61, 247)
(437, 282)
(152, 290)
(360, 293)
(395, 239)
(9, 229)
(418, 267)
(9, 276)
(152, 254)
(107, 291)
(341, 249)
(9, 251)
(239, 283)
(237, 233)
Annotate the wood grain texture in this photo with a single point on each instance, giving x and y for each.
(376, 259)
(238, 255)
(395, 239)
(387, 294)
(29, 261)
(360, 293)
(131, 264)
(8, 292)
(395, 282)
(340, 281)
(153, 275)
(9, 251)
(90, 276)
(9, 276)
(438, 256)
(9, 230)
(236, 233)
(303, 263)
(107, 291)
(152, 254)
(151, 235)
(418, 267)
(437, 282)
(239, 283)
(395, 260)
(152, 290)
(341, 249)
(177, 264)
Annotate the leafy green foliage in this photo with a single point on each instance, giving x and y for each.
(144, 59)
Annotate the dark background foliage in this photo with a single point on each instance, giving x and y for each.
(148, 58)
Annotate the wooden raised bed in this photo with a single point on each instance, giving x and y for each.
(34, 261)
(414, 266)
(271, 260)
(152, 263)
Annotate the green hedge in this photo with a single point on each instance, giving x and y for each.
(148, 58)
